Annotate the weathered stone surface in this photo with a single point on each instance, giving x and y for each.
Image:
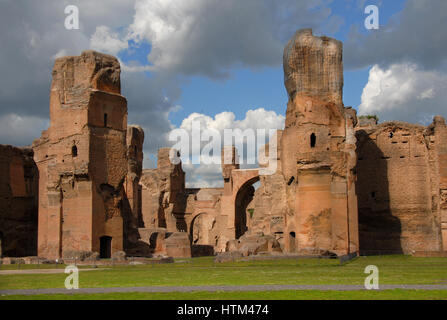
(270, 206)
(313, 67)
(161, 243)
(232, 246)
(177, 245)
(254, 244)
(119, 256)
(365, 121)
(223, 257)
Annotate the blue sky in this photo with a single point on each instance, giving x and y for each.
(198, 59)
(249, 88)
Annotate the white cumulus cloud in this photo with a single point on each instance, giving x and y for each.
(22, 130)
(107, 41)
(404, 92)
(209, 174)
(206, 37)
(254, 119)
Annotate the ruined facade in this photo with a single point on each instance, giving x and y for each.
(338, 184)
(163, 226)
(82, 159)
(177, 220)
(401, 187)
(341, 185)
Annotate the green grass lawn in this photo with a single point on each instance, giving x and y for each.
(275, 295)
(202, 271)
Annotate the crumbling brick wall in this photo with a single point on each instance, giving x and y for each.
(132, 211)
(18, 202)
(169, 208)
(163, 191)
(399, 187)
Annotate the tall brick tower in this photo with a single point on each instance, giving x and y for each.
(82, 159)
(318, 148)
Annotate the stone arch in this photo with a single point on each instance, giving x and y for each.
(198, 224)
(202, 243)
(292, 241)
(240, 179)
(244, 195)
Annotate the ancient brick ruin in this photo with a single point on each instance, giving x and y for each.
(343, 184)
(82, 159)
(401, 187)
(19, 180)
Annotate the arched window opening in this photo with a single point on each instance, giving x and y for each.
(313, 140)
(105, 120)
(74, 151)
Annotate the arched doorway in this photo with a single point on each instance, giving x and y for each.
(198, 230)
(243, 198)
(292, 242)
(105, 247)
(199, 233)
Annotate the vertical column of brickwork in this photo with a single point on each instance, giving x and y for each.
(82, 157)
(441, 148)
(317, 158)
